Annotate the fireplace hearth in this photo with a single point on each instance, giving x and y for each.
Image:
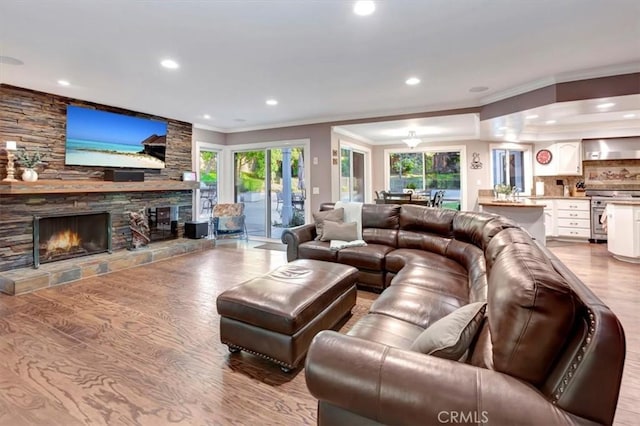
(60, 237)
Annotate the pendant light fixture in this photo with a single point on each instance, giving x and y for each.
(412, 141)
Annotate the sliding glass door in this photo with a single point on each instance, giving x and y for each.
(207, 193)
(270, 182)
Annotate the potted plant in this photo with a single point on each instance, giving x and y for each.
(502, 191)
(28, 163)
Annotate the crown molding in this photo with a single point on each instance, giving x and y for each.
(608, 71)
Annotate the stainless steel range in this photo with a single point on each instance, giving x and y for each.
(599, 200)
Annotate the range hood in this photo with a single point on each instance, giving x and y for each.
(611, 148)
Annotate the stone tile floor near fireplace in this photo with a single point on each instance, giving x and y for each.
(25, 280)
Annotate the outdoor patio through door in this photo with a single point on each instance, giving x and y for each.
(270, 182)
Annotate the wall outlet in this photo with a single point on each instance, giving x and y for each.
(315, 190)
(315, 161)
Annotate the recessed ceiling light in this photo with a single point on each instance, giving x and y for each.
(170, 63)
(271, 102)
(477, 89)
(8, 60)
(532, 116)
(605, 105)
(63, 83)
(206, 116)
(364, 7)
(550, 122)
(412, 81)
(628, 116)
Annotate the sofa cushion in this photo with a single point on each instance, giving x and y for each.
(387, 237)
(506, 238)
(386, 330)
(318, 250)
(397, 259)
(422, 241)
(472, 258)
(417, 305)
(339, 231)
(383, 216)
(426, 219)
(531, 311)
(332, 215)
(450, 337)
(435, 279)
(370, 257)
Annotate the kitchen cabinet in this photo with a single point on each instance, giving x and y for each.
(549, 169)
(566, 218)
(569, 158)
(549, 216)
(623, 230)
(566, 159)
(573, 218)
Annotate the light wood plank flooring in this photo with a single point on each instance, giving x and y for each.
(141, 346)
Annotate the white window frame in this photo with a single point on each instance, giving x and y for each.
(462, 149)
(367, 166)
(195, 161)
(527, 160)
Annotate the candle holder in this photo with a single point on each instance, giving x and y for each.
(10, 168)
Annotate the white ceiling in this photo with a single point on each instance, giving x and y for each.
(317, 58)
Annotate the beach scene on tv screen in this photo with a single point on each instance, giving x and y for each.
(99, 138)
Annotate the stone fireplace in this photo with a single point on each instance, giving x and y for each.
(60, 237)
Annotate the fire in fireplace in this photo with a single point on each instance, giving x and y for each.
(66, 236)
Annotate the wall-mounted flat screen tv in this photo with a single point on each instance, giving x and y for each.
(100, 138)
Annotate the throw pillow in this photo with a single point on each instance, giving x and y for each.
(339, 231)
(451, 336)
(335, 215)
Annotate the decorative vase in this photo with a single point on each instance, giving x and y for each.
(29, 175)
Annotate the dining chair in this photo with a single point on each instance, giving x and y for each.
(437, 199)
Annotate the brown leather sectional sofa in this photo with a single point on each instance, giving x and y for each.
(549, 351)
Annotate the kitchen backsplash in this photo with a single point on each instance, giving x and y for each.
(610, 174)
(552, 189)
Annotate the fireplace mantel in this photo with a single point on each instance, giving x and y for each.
(91, 186)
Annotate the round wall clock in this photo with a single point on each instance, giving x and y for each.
(544, 156)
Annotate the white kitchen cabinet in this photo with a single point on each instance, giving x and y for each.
(566, 159)
(549, 216)
(549, 169)
(623, 231)
(569, 158)
(573, 218)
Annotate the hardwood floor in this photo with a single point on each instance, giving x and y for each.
(141, 346)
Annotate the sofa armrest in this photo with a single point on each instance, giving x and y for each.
(395, 386)
(293, 237)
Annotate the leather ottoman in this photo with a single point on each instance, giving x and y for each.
(276, 315)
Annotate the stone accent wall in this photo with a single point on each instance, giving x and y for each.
(37, 120)
(17, 212)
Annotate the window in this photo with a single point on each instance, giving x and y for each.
(511, 165)
(426, 171)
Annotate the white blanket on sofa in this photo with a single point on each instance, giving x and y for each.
(352, 213)
(336, 245)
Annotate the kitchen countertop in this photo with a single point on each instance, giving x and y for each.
(523, 202)
(624, 202)
(557, 197)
